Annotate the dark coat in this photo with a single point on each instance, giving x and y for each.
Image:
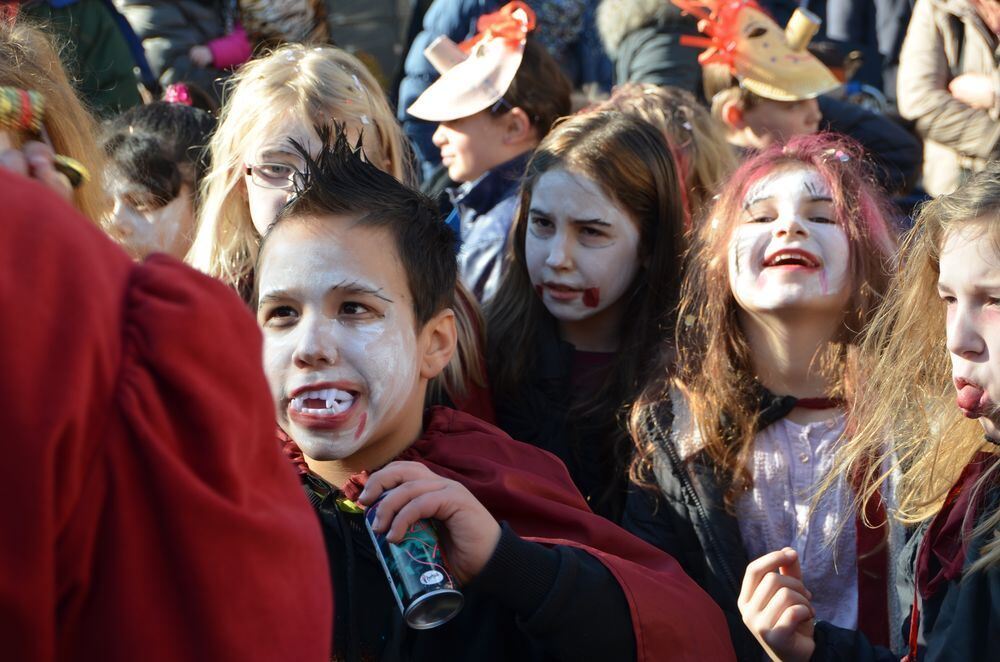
(642, 38)
(960, 621)
(541, 414)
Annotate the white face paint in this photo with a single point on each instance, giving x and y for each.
(340, 342)
(143, 228)
(581, 247)
(277, 161)
(788, 251)
(969, 285)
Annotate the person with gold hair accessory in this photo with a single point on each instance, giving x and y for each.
(765, 86)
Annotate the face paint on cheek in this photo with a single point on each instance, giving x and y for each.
(592, 297)
(361, 425)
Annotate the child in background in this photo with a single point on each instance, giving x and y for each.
(594, 271)
(157, 154)
(745, 417)
(355, 293)
(943, 304)
(697, 139)
(497, 97)
(284, 96)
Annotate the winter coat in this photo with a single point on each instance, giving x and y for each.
(960, 621)
(98, 51)
(894, 149)
(485, 213)
(169, 28)
(642, 38)
(947, 38)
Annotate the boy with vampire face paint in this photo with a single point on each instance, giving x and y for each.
(355, 286)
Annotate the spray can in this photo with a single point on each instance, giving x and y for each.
(420, 580)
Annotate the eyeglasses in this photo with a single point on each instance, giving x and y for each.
(274, 175)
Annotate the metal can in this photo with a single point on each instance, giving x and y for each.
(424, 588)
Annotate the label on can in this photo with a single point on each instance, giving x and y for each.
(423, 586)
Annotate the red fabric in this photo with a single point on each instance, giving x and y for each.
(230, 50)
(532, 491)
(873, 572)
(942, 551)
(146, 513)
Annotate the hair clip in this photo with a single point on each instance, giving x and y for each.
(838, 154)
(178, 93)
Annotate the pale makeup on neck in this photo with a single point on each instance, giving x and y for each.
(969, 286)
(340, 345)
(582, 253)
(789, 263)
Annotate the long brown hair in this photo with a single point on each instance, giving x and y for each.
(713, 367)
(29, 60)
(908, 398)
(631, 162)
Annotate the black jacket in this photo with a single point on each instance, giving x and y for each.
(961, 621)
(541, 414)
(685, 516)
(530, 602)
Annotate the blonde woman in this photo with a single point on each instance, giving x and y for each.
(697, 139)
(279, 98)
(935, 345)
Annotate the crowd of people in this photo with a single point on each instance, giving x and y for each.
(678, 320)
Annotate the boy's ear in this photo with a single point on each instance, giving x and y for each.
(732, 114)
(438, 340)
(518, 128)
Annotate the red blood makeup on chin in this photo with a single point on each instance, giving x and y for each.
(592, 297)
(361, 425)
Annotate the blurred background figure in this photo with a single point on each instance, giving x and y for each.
(949, 85)
(157, 157)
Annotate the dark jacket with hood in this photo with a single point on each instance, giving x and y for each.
(642, 38)
(959, 619)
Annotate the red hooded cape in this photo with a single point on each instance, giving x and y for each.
(146, 513)
(532, 491)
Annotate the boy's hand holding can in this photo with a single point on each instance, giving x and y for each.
(469, 533)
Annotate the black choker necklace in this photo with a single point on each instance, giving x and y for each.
(995, 442)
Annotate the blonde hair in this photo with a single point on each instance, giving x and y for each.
(317, 84)
(909, 392)
(321, 84)
(697, 139)
(29, 60)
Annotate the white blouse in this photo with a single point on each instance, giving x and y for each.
(788, 462)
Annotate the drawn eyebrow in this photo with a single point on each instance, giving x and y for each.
(357, 287)
(590, 221)
(762, 198)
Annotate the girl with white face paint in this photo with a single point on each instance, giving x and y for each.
(934, 353)
(580, 315)
(744, 420)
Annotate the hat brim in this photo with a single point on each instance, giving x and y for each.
(471, 86)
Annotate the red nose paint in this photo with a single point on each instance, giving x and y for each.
(361, 425)
(592, 297)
